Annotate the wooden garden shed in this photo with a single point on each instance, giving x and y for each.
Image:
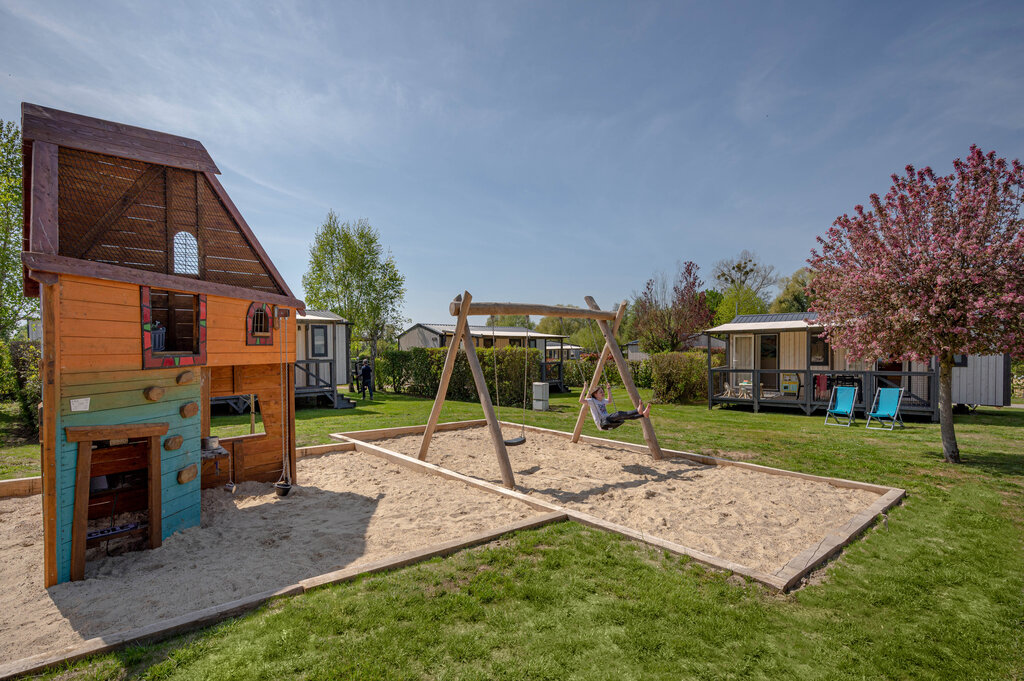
(155, 297)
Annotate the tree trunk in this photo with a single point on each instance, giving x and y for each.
(950, 451)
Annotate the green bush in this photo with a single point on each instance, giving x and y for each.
(418, 372)
(24, 359)
(679, 377)
(8, 376)
(394, 368)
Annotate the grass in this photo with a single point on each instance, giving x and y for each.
(937, 592)
(19, 452)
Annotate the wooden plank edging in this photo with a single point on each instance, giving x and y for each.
(783, 580)
(21, 487)
(207, 616)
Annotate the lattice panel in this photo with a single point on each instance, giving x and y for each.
(152, 217)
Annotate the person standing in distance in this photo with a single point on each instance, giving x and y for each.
(366, 379)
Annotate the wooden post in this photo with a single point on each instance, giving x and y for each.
(80, 519)
(156, 507)
(627, 380)
(446, 374)
(507, 478)
(49, 435)
(292, 471)
(598, 373)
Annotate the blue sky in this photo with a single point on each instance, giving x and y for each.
(539, 151)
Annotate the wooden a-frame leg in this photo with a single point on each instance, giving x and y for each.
(598, 372)
(507, 478)
(627, 380)
(446, 374)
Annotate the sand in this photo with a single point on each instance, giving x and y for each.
(351, 509)
(756, 519)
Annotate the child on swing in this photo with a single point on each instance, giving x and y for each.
(599, 409)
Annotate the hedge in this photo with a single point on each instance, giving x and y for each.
(682, 377)
(418, 372)
(578, 372)
(19, 364)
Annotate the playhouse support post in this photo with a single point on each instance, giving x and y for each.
(507, 478)
(598, 372)
(627, 380)
(446, 374)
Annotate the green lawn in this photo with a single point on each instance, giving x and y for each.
(935, 593)
(19, 454)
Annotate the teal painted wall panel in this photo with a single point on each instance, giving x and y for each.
(180, 504)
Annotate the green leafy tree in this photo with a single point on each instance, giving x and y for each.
(14, 307)
(739, 301)
(510, 320)
(712, 299)
(793, 297)
(352, 275)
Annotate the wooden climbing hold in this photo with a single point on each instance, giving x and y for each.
(188, 410)
(185, 377)
(154, 393)
(188, 474)
(173, 442)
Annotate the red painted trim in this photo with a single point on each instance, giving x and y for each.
(250, 337)
(152, 360)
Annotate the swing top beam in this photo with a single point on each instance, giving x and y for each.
(476, 308)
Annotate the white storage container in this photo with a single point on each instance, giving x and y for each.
(540, 396)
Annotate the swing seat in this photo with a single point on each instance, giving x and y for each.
(516, 441)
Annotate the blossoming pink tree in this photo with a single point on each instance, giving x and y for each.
(933, 269)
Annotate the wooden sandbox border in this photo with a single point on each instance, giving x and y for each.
(782, 580)
(208, 616)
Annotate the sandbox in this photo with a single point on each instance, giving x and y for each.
(350, 510)
(769, 524)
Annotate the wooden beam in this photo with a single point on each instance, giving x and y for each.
(292, 457)
(627, 380)
(98, 270)
(598, 373)
(75, 131)
(49, 435)
(156, 507)
(21, 487)
(128, 430)
(123, 203)
(446, 374)
(43, 207)
(80, 519)
(507, 478)
(528, 308)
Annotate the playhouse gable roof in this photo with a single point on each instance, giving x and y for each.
(118, 202)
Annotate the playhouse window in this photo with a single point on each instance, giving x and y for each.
(175, 317)
(260, 322)
(317, 341)
(186, 254)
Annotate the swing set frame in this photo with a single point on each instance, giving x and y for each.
(463, 306)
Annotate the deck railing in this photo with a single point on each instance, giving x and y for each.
(310, 370)
(810, 389)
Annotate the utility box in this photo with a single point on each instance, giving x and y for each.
(540, 396)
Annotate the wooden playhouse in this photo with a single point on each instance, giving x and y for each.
(156, 296)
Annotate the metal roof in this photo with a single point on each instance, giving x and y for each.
(774, 317)
(502, 331)
(320, 316)
(781, 321)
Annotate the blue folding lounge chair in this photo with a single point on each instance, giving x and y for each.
(886, 408)
(840, 405)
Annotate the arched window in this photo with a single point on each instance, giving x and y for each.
(186, 254)
(259, 325)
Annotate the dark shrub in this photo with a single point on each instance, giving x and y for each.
(679, 377)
